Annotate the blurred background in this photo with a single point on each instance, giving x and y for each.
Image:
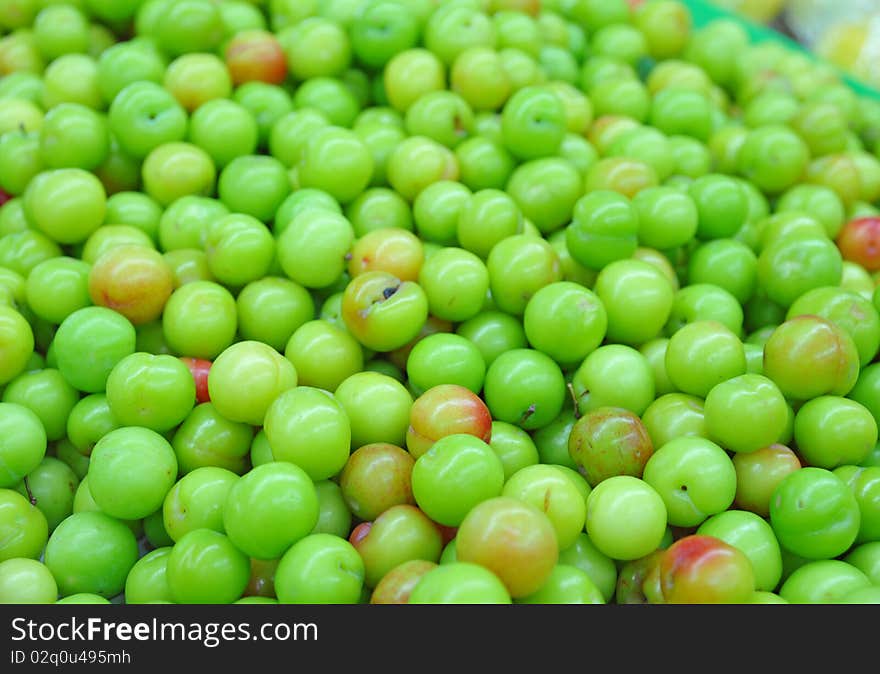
(845, 32)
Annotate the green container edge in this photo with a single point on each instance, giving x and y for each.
(703, 12)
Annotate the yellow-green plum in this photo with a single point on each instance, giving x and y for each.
(310, 428)
(246, 378)
(513, 539)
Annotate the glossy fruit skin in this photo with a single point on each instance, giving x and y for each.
(458, 472)
(153, 391)
(376, 477)
(45, 392)
(630, 288)
(513, 539)
(580, 321)
(455, 282)
(705, 569)
(130, 472)
(445, 358)
(830, 351)
(334, 516)
(204, 567)
(269, 509)
(196, 501)
(331, 153)
(546, 191)
(848, 310)
(758, 473)
(255, 55)
(825, 581)
(759, 399)
(147, 580)
(818, 439)
(89, 420)
(604, 228)
(625, 498)
(609, 441)
(20, 161)
(695, 478)
(519, 266)
(754, 537)
(176, 169)
(564, 511)
(272, 309)
(401, 533)
(858, 242)
(266, 372)
(514, 446)
(320, 569)
(239, 249)
(323, 354)
(91, 552)
(66, 204)
(68, 279)
(865, 390)
(712, 343)
(788, 268)
(523, 135)
(446, 409)
(16, 343)
(674, 415)
(824, 529)
(614, 375)
(328, 235)
(488, 217)
(639, 577)
(66, 121)
(773, 157)
(601, 569)
(24, 443)
(383, 312)
(864, 557)
(24, 526)
(704, 302)
(309, 427)
(134, 281)
(667, 218)
(538, 396)
(199, 319)
(397, 585)
(108, 237)
(199, 367)
(377, 407)
(822, 202)
(193, 25)
(864, 483)
(459, 583)
(391, 249)
(26, 581)
(144, 115)
(727, 263)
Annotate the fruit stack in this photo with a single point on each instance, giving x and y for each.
(421, 301)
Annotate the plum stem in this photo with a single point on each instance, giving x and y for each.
(574, 399)
(30, 494)
(529, 412)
